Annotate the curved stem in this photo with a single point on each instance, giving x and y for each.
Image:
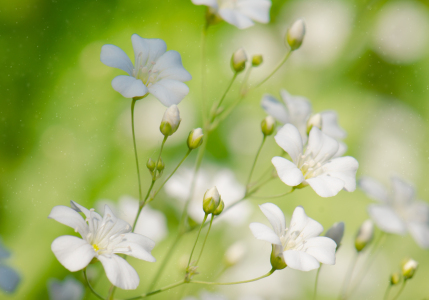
(386, 294)
(133, 103)
(196, 240)
(246, 78)
(275, 69)
(213, 113)
(90, 287)
(400, 290)
(166, 288)
(255, 160)
(205, 240)
(348, 276)
(315, 283)
(274, 196)
(236, 282)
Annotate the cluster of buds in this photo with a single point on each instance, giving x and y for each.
(364, 235)
(212, 202)
(155, 168)
(408, 269)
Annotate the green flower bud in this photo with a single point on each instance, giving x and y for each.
(277, 260)
(150, 164)
(267, 125)
(395, 278)
(295, 34)
(257, 60)
(364, 235)
(238, 60)
(160, 166)
(170, 121)
(211, 200)
(409, 267)
(195, 138)
(219, 208)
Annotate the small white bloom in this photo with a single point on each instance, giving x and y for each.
(102, 238)
(68, 289)
(295, 34)
(317, 165)
(240, 13)
(299, 246)
(170, 121)
(409, 267)
(195, 138)
(364, 235)
(399, 211)
(155, 71)
(238, 60)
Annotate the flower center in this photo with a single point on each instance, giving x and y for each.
(144, 70)
(96, 248)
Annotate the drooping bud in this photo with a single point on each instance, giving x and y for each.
(238, 60)
(267, 125)
(409, 267)
(160, 166)
(257, 60)
(150, 164)
(195, 138)
(364, 235)
(219, 208)
(336, 233)
(395, 278)
(170, 121)
(277, 259)
(314, 121)
(234, 254)
(211, 200)
(295, 34)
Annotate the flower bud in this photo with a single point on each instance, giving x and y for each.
(195, 138)
(314, 121)
(409, 267)
(150, 164)
(211, 200)
(219, 208)
(336, 233)
(234, 254)
(170, 121)
(160, 166)
(364, 235)
(277, 259)
(267, 125)
(295, 34)
(238, 60)
(257, 60)
(395, 278)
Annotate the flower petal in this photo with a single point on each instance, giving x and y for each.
(169, 91)
(420, 233)
(322, 147)
(235, 18)
(386, 219)
(69, 217)
(287, 171)
(211, 3)
(321, 248)
(301, 223)
(373, 189)
(274, 108)
(128, 86)
(342, 148)
(325, 185)
(330, 125)
(257, 10)
(115, 57)
(343, 168)
(136, 245)
(403, 192)
(119, 272)
(147, 51)
(275, 216)
(170, 66)
(9, 279)
(72, 252)
(300, 260)
(299, 109)
(264, 233)
(289, 139)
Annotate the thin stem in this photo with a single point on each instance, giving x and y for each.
(255, 160)
(274, 196)
(133, 103)
(275, 69)
(166, 288)
(216, 107)
(400, 290)
(196, 240)
(348, 276)
(257, 187)
(246, 78)
(386, 294)
(236, 282)
(205, 239)
(203, 71)
(90, 287)
(315, 283)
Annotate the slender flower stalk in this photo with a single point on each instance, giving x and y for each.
(196, 240)
(90, 286)
(274, 196)
(205, 240)
(316, 282)
(275, 69)
(400, 290)
(386, 294)
(255, 160)
(235, 282)
(348, 276)
(203, 71)
(133, 103)
(216, 107)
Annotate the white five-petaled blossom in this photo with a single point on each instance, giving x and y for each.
(317, 165)
(300, 245)
(155, 71)
(240, 13)
(398, 211)
(102, 238)
(297, 111)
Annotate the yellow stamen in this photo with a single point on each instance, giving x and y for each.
(95, 246)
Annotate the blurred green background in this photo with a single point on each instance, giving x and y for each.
(65, 131)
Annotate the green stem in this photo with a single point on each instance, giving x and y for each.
(133, 103)
(205, 240)
(236, 282)
(196, 240)
(275, 69)
(255, 160)
(386, 294)
(213, 113)
(274, 196)
(166, 288)
(257, 187)
(315, 283)
(203, 72)
(90, 287)
(348, 276)
(246, 78)
(400, 290)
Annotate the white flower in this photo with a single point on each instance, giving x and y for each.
(299, 246)
(155, 71)
(297, 111)
(102, 238)
(240, 13)
(317, 165)
(68, 289)
(398, 210)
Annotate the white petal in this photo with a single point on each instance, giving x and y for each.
(373, 189)
(119, 272)
(386, 219)
(115, 57)
(257, 10)
(420, 233)
(119, 225)
(235, 18)
(300, 260)
(306, 226)
(322, 146)
(403, 192)
(330, 125)
(289, 139)
(321, 248)
(264, 233)
(72, 252)
(343, 168)
(68, 216)
(418, 211)
(152, 223)
(275, 216)
(341, 149)
(274, 108)
(136, 245)
(211, 3)
(287, 171)
(128, 86)
(170, 66)
(325, 185)
(147, 51)
(299, 109)
(169, 91)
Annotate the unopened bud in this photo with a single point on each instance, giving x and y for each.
(314, 121)
(409, 267)
(364, 235)
(160, 166)
(195, 138)
(170, 121)
(238, 60)
(235, 254)
(277, 259)
(336, 233)
(219, 208)
(257, 60)
(295, 34)
(211, 200)
(395, 278)
(267, 125)
(150, 164)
